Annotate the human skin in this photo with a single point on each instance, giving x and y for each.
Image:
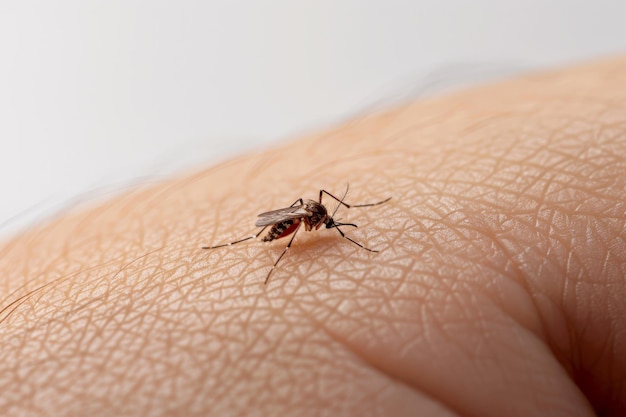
(499, 288)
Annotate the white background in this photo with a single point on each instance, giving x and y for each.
(96, 95)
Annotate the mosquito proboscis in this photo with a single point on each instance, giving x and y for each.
(287, 221)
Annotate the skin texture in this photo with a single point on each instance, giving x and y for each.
(498, 291)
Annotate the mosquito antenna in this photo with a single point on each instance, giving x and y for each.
(341, 202)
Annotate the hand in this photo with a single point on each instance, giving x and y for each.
(498, 291)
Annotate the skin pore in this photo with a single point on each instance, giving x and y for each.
(498, 291)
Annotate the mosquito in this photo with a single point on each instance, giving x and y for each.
(287, 221)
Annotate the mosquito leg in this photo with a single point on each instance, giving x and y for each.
(332, 196)
(371, 204)
(282, 254)
(236, 241)
(356, 243)
(341, 224)
(350, 205)
(298, 201)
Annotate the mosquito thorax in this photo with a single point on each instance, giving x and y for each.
(318, 213)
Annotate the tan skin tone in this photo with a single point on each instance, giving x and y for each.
(499, 288)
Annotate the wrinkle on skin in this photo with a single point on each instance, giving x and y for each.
(497, 291)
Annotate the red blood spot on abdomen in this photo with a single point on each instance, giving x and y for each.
(289, 230)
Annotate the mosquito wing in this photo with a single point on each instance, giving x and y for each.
(280, 215)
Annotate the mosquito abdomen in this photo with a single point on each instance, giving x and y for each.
(281, 229)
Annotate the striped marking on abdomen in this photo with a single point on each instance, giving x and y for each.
(281, 229)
